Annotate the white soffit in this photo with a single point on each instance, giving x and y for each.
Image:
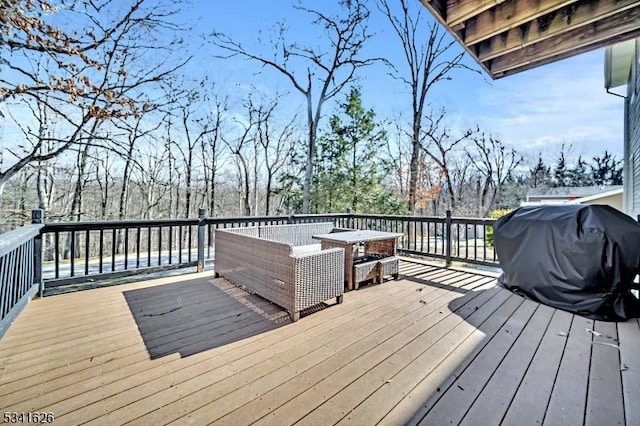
(617, 63)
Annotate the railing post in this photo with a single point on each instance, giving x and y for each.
(290, 219)
(350, 219)
(448, 236)
(37, 218)
(201, 226)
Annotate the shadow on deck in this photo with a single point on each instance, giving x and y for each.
(191, 317)
(438, 346)
(530, 363)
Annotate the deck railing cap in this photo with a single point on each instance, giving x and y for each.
(9, 241)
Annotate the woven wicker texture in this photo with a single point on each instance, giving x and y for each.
(383, 247)
(389, 266)
(269, 269)
(296, 235)
(366, 271)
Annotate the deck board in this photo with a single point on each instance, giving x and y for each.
(452, 403)
(630, 367)
(568, 396)
(530, 402)
(437, 346)
(605, 403)
(417, 400)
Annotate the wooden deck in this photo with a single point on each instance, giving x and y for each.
(436, 347)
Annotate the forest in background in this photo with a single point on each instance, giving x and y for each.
(111, 126)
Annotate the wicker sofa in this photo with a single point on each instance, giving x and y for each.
(281, 263)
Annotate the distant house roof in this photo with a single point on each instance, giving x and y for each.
(613, 190)
(568, 192)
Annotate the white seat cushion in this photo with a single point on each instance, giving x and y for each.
(309, 248)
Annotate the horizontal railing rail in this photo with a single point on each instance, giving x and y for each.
(19, 271)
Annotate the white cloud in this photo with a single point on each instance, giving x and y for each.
(564, 102)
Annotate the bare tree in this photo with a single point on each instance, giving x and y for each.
(151, 175)
(319, 74)
(428, 62)
(105, 179)
(495, 163)
(238, 147)
(133, 133)
(277, 146)
(194, 130)
(94, 70)
(440, 145)
(211, 155)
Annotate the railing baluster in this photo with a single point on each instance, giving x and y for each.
(435, 239)
(201, 225)
(159, 245)
(56, 255)
(190, 243)
(113, 250)
(100, 249)
(475, 242)
(22, 264)
(4, 284)
(171, 244)
(72, 254)
(12, 267)
(138, 248)
(149, 247)
(209, 233)
(86, 252)
(466, 241)
(126, 248)
(484, 245)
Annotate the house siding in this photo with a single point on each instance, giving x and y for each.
(632, 144)
(614, 201)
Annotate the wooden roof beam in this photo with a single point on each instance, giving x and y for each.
(459, 11)
(435, 8)
(619, 27)
(438, 8)
(581, 14)
(506, 16)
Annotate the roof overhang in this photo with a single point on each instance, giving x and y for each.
(509, 36)
(617, 63)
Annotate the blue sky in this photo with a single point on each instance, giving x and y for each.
(535, 111)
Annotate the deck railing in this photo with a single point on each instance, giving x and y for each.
(448, 238)
(20, 269)
(73, 251)
(44, 256)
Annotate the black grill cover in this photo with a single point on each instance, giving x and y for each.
(579, 258)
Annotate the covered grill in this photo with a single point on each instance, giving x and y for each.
(579, 258)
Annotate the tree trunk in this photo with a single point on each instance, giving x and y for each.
(43, 203)
(413, 169)
(268, 189)
(311, 153)
(76, 202)
(189, 189)
(124, 194)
